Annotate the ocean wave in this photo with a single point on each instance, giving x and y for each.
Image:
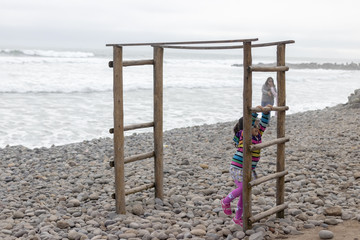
(45, 53)
(110, 89)
(313, 65)
(54, 91)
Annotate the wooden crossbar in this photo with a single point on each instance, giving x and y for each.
(269, 143)
(135, 158)
(269, 212)
(272, 43)
(267, 178)
(267, 109)
(135, 126)
(232, 47)
(138, 62)
(189, 42)
(140, 188)
(134, 63)
(268, 69)
(203, 47)
(139, 157)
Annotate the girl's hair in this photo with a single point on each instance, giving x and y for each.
(238, 126)
(267, 81)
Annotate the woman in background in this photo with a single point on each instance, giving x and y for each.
(268, 92)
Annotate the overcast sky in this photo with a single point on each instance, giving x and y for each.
(321, 28)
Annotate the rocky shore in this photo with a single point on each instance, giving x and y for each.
(64, 192)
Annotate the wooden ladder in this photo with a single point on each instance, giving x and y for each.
(158, 51)
(280, 69)
(119, 160)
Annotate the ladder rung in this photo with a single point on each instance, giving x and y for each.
(268, 69)
(134, 63)
(134, 158)
(267, 178)
(138, 62)
(140, 188)
(269, 143)
(269, 212)
(135, 126)
(267, 109)
(139, 157)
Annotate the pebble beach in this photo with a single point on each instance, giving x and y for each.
(64, 192)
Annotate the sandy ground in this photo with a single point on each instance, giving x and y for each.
(348, 230)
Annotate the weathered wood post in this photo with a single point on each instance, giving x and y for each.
(118, 130)
(281, 101)
(247, 102)
(158, 120)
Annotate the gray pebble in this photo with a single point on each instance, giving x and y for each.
(326, 234)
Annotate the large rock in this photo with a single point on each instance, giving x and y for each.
(333, 211)
(138, 210)
(198, 232)
(62, 224)
(325, 234)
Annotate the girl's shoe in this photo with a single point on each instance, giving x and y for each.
(226, 207)
(238, 221)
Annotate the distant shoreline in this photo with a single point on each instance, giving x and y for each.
(312, 65)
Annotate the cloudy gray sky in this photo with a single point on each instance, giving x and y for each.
(321, 28)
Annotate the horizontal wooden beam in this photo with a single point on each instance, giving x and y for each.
(269, 212)
(163, 44)
(138, 62)
(139, 157)
(134, 63)
(135, 126)
(267, 109)
(269, 143)
(189, 42)
(268, 69)
(203, 47)
(267, 178)
(272, 43)
(234, 47)
(140, 188)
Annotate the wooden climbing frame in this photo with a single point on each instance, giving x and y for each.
(158, 51)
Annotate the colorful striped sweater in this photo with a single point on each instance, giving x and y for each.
(237, 160)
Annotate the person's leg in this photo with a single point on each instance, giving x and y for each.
(239, 210)
(225, 203)
(234, 194)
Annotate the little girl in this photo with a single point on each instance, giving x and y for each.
(236, 167)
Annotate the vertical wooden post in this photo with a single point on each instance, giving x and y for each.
(158, 120)
(119, 130)
(280, 165)
(247, 102)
